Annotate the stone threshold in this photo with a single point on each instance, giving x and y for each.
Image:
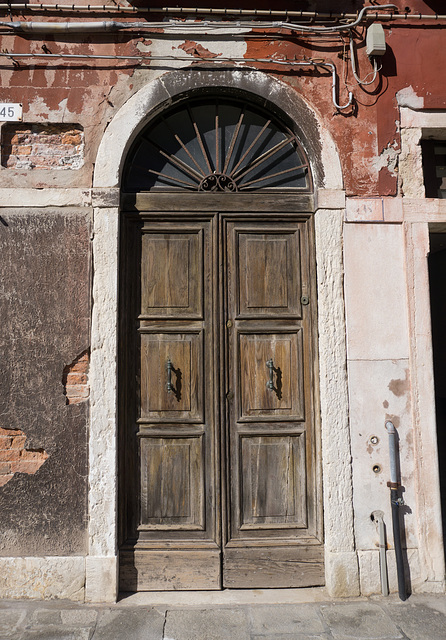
(232, 597)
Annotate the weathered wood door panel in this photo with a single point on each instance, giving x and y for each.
(218, 356)
(173, 539)
(273, 534)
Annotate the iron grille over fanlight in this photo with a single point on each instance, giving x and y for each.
(216, 144)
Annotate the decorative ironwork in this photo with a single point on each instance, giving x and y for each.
(216, 145)
(217, 182)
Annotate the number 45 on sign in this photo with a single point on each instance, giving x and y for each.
(11, 112)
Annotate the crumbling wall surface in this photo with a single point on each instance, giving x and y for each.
(44, 302)
(85, 94)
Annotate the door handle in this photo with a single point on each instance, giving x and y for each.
(270, 383)
(169, 368)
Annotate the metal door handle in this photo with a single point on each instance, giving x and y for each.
(270, 383)
(169, 368)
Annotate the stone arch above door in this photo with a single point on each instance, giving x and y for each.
(262, 89)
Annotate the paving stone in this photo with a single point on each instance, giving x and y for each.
(11, 635)
(46, 616)
(129, 624)
(435, 602)
(210, 624)
(359, 620)
(57, 633)
(286, 619)
(292, 636)
(10, 620)
(418, 622)
(81, 617)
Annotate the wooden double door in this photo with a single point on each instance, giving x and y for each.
(218, 444)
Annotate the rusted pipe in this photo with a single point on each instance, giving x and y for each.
(396, 502)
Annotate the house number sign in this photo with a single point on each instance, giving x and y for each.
(11, 112)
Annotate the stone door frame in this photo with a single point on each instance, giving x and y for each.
(342, 577)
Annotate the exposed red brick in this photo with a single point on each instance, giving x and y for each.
(77, 390)
(14, 458)
(21, 150)
(75, 379)
(10, 432)
(33, 454)
(71, 139)
(57, 146)
(8, 455)
(26, 466)
(76, 400)
(5, 442)
(18, 442)
(81, 366)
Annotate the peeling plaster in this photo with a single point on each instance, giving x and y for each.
(388, 159)
(408, 98)
(218, 48)
(197, 50)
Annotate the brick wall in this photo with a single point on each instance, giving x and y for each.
(40, 146)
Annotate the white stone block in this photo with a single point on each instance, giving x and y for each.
(375, 291)
(43, 578)
(341, 570)
(103, 384)
(101, 579)
(370, 576)
(53, 197)
(374, 210)
(336, 454)
(364, 210)
(330, 199)
(422, 119)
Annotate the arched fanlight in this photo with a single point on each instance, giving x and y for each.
(216, 144)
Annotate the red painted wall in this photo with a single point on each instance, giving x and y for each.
(366, 135)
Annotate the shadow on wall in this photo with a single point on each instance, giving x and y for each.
(437, 284)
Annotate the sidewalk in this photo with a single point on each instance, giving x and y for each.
(209, 617)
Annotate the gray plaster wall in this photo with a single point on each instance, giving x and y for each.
(45, 311)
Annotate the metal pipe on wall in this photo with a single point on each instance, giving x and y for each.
(91, 8)
(149, 59)
(396, 502)
(111, 25)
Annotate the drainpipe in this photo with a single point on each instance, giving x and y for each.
(396, 502)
